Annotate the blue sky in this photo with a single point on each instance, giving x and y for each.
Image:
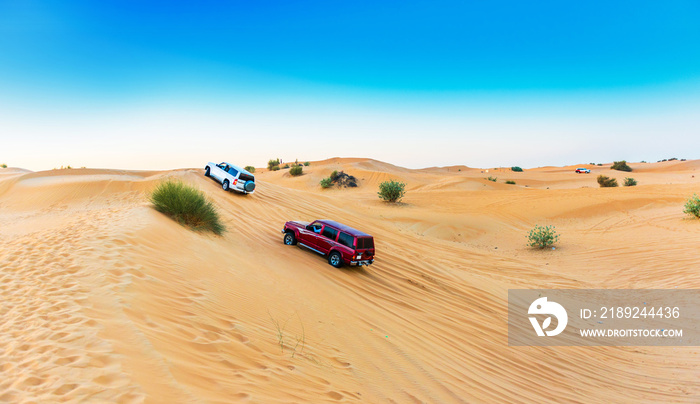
(141, 84)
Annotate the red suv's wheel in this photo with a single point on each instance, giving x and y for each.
(335, 259)
(289, 238)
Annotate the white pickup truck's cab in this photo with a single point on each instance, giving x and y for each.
(231, 177)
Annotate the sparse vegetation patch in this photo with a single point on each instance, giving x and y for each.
(606, 182)
(250, 169)
(296, 170)
(271, 164)
(692, 206)
(340, 179)
(510, 182)
(492, 179)
(392, 191)
(186, 205)
(542, 236)
(629, 182)
(516, 169)
(621, 166)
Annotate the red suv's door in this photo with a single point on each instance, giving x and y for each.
(310, 237)
(327, 239)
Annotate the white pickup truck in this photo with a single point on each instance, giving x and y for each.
(231, 177)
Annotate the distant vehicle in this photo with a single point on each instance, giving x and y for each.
(231, 177)
(583, 170)
(340, 243)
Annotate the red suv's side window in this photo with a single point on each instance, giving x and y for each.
(330, 232)
(346, 240)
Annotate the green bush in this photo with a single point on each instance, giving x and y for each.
(271, 164)
(606, 182)
(186, 205)
(334, 175)
(326, 183)
(250, 169)
(629, 182)
(692, 206)
(307, 164)
(3, 165)
(516, 169)
(542, 236)
(392, 191)
(510, 182)
(599, 164)
(296, 170)
(275, 168)
(286, 166)
(621, 166)
(493, 179)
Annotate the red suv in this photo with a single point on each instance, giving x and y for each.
(340, 243)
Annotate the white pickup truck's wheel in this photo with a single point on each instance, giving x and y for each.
(225, 185)
(206, 171)
(335, 259)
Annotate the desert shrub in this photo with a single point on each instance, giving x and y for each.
(492, 179)
(599, 164)
(621, 166)
(286, 166)
(186, 205)
(275, 168)
(606, 182)
(516, 169)
(510, 182)
(392, 191)
(629, 182)
(307, 164)
(692, 206)
(3, 165)
(296, 170)
(340, 179)
(271, 164)
(542, 236)
(250, 169)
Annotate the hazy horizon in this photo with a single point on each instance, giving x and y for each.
(137, 86)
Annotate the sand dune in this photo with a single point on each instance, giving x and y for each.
(104, 299)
